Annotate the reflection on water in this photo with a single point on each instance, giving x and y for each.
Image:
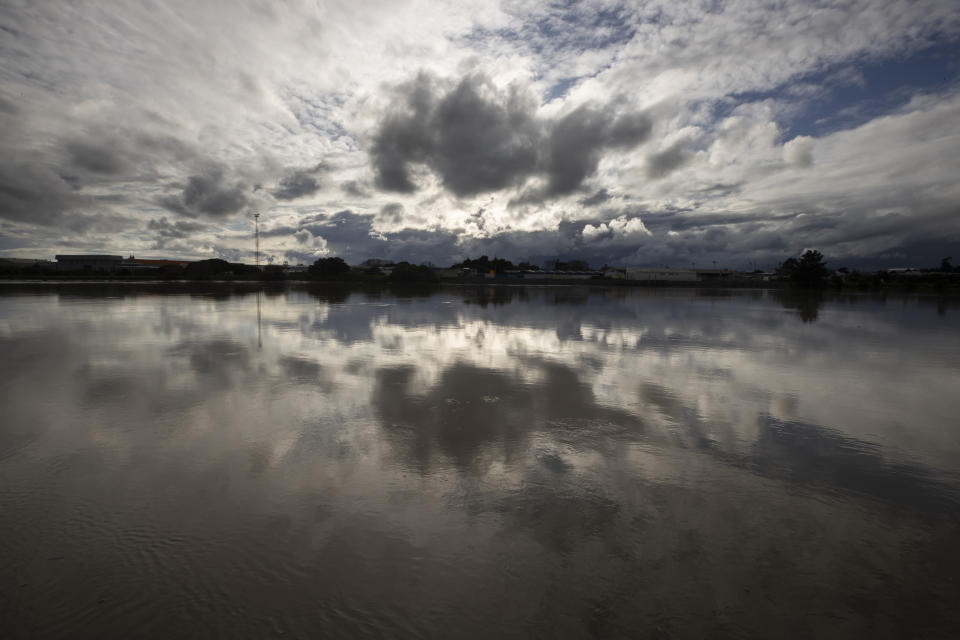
(806, 303)
(477, 462)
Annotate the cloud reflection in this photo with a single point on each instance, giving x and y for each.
(610, 447)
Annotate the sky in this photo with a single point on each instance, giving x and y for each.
(728, 134)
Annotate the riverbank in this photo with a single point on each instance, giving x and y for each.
(228, 287)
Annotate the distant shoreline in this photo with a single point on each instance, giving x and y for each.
(380, 284)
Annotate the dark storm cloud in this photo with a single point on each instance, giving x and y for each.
(682, 221)
(577, 139)
(278, 231)
(107, 225)
(847, 238)
(343, 227)
(209, 193)
(8, 107)
(348, 235)
(664, 162)
(719, 190)
(298, 184)
(474, 137)
(485, 140)
(355, 188)
(392, 212)
(47, 185)
(177, 230)
(677, 238)
(536, 246)
(115, 152)
(34, 192)
(479, 139)
(598, 198)
(404, 137)
(98, 158)
(40, 188)
(441, 247)
(352, 237)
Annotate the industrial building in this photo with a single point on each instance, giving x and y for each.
(91, 262)
(662, 275)
(665, 274)
(113, 264)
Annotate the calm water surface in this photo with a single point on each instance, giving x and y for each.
(509, 462)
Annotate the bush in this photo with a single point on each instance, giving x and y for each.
(273, 272)
(483, 264)
(206, 269)
(328, 268)
(406, 273)
(809, 271)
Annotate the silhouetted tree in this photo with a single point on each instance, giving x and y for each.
(571, 265)
(945, 265)
(331, 293)
(786, 268)
(483, 264)
(246, 271)
(326, 268)
(170, 272)
(806, 303)
(809, 271)
(206, 269)
(406, 273)
(273, 272)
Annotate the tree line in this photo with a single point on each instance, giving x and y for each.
(810, 271)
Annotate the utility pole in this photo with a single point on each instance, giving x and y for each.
(256, 237)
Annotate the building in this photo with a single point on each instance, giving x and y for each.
(91, 262)
(666, 274)
(151, 262)
(25, 264)
(550, 274)
(147, 265)
(662, 275)
(707, 275)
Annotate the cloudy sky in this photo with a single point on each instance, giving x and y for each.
(648, 133)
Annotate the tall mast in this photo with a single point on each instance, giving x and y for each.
(256, 237)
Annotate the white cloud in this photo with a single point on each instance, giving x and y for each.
(618, 229)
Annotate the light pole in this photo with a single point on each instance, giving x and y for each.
(256, 238)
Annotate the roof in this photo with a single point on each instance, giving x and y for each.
(23, 260)
(159, 262)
